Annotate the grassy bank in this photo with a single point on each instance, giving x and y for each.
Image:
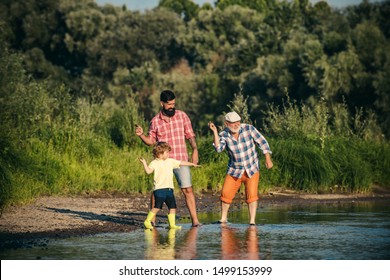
(100, 166)
(53, 143)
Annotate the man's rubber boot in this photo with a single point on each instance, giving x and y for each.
(172, 222)
(148, 221)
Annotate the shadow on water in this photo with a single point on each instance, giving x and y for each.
(318, 231)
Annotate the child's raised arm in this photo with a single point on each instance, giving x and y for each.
(146, 167)
(187, 163)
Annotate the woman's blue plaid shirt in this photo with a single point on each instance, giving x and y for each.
(242, 152)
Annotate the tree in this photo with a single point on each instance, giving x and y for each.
(340, 73)
(382, 89)
(186, 9)
(369, 42)
(260, 6)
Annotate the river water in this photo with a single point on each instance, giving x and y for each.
(342, 231)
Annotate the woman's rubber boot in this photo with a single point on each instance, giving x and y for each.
(172, 222)
(148, 221)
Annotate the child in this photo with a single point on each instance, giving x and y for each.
(162, 166)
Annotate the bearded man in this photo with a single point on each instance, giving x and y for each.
(174, 127)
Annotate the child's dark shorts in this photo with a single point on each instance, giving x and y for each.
(164, 195)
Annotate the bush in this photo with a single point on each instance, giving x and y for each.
(302, 165)
(352, 171)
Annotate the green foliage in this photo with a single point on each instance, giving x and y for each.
(302, 165)
(120, 125)
(349, 164)
(368, 40)
(259, 5)
(9, 159)
(52, 145)
(184, 8)
(75, 78)
(265, 46)
(321, 121)
(382, 88)
(297, 121)
(340, 167)
(378, 157)
(240, 106)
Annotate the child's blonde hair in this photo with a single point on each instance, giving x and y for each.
(159, 148)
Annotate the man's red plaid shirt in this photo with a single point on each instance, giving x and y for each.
(174, 132)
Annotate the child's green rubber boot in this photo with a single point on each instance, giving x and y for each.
(172, 222)
(148, 221)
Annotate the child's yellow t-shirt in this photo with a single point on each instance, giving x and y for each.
(163, 172)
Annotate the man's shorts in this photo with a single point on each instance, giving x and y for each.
(183, 176)
(164, 195)
(233, 184)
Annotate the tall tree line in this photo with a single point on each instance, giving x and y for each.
(264, 49)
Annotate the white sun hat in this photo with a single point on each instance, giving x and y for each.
(232, 117)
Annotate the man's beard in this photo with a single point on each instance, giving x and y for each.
(170, 112)
(234, 130)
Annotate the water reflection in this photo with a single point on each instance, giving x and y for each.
(162, 246)
(157, 249)
(234, 248)
(252, 243)
(226, 242)
(234, 243)
(188, 250)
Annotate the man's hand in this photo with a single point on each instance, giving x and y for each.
(195, 153)
(138, 130)
(268, 161)
(213, 127)
(215, 134)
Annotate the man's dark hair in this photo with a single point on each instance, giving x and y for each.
(167, 95)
